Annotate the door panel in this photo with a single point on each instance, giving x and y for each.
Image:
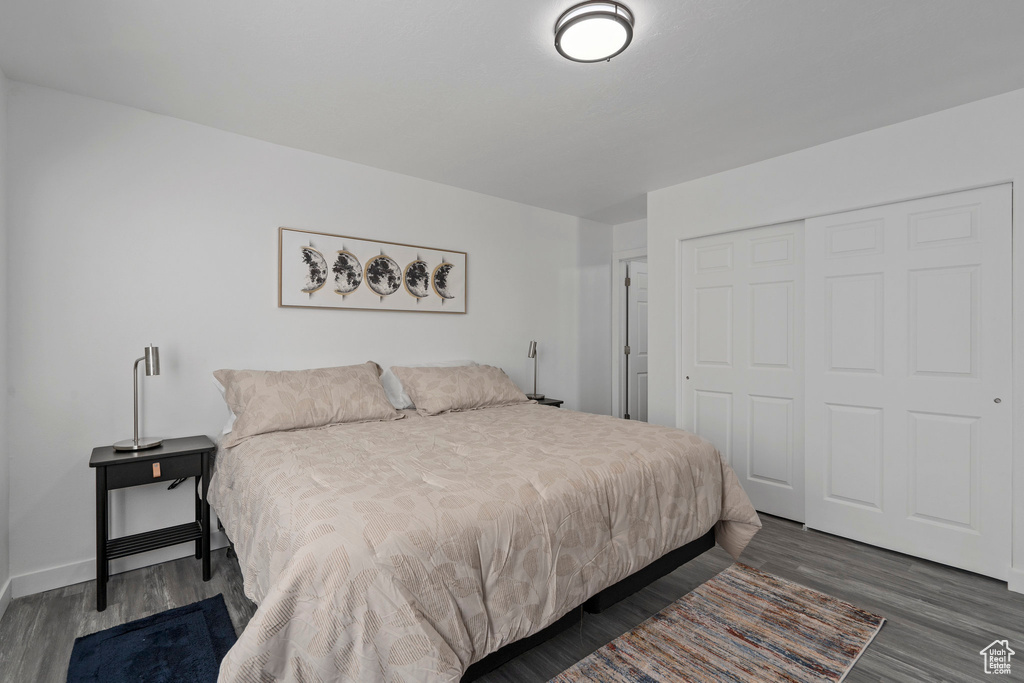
(742, 358)
(853, 455)
(713, 326)
(712, 419)
(944, 299)
(854, 325)
(771, 336)
(770, 433)
(943, 457)
(907, 347)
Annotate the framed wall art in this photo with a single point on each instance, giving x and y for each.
(318, 270)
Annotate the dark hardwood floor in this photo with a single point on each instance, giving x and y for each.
(938, 618)
(38, 631)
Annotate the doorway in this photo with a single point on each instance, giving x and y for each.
(629, 340)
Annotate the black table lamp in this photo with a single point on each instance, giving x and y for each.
(152, 358)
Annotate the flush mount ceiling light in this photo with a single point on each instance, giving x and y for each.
(593, 31)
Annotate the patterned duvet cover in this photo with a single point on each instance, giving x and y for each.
(407, 550)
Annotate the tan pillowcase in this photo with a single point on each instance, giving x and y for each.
(267, 401)
(440, 390)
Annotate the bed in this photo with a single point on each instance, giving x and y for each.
(410, 549)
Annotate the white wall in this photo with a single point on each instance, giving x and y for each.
(5, 593)
(594, 320)
(627, 236)
(977, 144)
(128, 228)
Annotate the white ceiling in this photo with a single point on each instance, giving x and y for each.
(472, 93)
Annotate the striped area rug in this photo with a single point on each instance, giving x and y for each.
(742, 625)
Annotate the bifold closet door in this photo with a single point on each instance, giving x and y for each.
(908, 383)
(741, 358)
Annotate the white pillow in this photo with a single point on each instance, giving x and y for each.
(231, 415)
(393, 387)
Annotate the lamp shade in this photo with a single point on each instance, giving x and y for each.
(152, 360)
(532, 353)
(593, 31)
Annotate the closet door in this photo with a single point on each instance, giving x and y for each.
(908, 382)
(741, 383)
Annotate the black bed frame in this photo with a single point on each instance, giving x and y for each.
(666, 564)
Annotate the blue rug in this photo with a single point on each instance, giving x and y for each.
(180, 645)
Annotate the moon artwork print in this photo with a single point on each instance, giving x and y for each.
(442, 274)
(417, 279)
(317, 274)
(348, 273)
(383, 275)
(367, 274)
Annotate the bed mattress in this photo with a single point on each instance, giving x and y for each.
(407, 550)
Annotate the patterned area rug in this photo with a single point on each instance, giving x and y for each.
(742, 625)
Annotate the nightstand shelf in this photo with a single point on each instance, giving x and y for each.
(151, 540)
(172, 460)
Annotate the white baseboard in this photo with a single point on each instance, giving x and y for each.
(1015, 580)
(5, 598)
(77, 572)
(54, 577)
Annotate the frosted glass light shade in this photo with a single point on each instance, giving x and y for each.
(593, 31)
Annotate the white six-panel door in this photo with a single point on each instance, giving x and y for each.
(637, 340)
(741, 328)
(908, 383)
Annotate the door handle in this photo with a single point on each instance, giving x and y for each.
(999, 400)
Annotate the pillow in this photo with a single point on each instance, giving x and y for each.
(231, 416)
(393, 388)
(265, 401)
(444, 389)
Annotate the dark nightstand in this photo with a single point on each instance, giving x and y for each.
(174, 459)
(555, 402)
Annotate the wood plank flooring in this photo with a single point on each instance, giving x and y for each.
(38, 631)
(938, 618)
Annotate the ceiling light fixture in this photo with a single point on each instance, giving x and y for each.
(593, 31)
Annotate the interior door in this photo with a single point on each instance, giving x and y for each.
(637, 324)
(908, 377)
(742, 358)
